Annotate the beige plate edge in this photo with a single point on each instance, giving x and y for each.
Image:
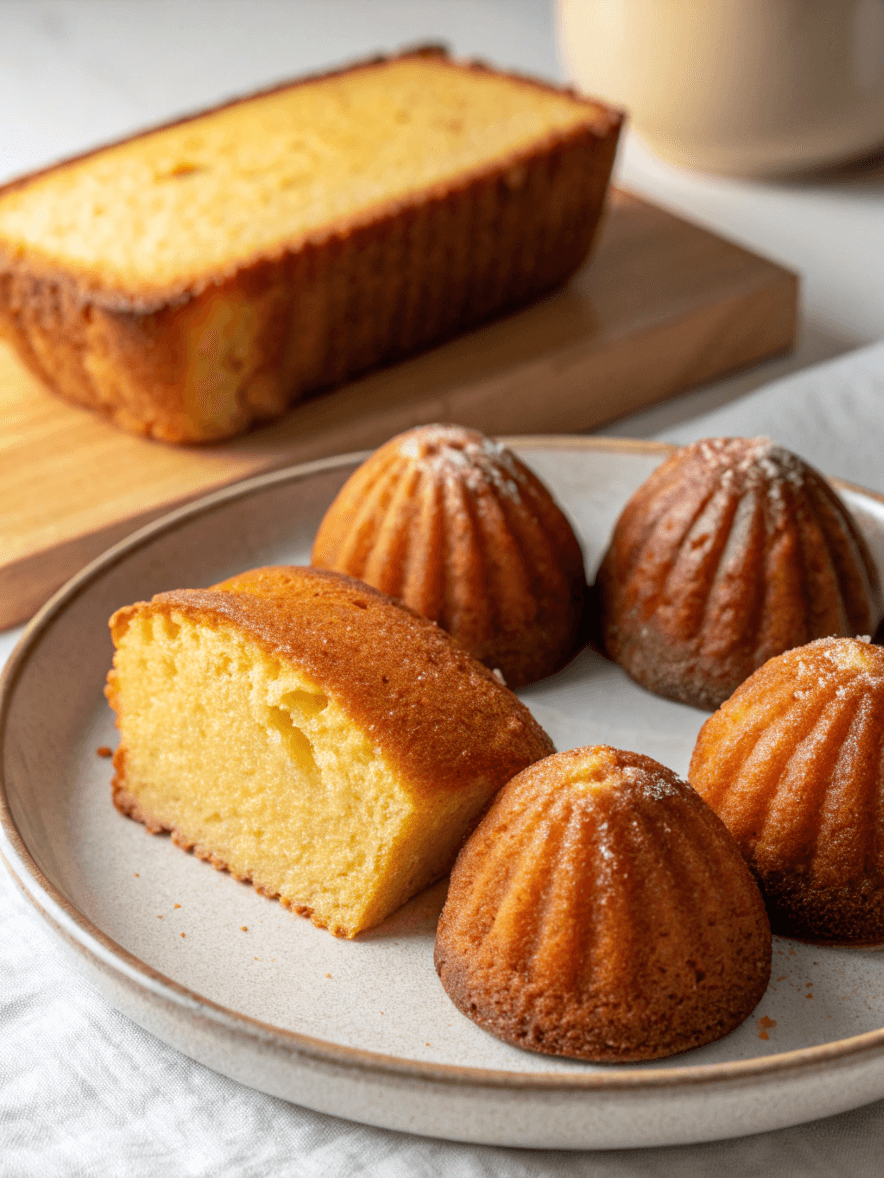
(66, 920)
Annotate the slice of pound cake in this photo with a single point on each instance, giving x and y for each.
(202, 276)
(308, 734)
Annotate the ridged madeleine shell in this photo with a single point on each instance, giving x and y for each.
(602, 911)
(454, 525)
(793, 763)
(732, 552)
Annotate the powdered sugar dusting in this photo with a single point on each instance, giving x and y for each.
(753, 463)
(618, 767)
(452, 452)
(663, 783)
(840, 667)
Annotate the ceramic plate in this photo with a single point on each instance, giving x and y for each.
(363, 1029)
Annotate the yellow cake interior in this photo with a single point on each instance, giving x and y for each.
(211, 193)
(248, 759)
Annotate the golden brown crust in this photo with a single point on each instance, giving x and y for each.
(362, 293)
(400, 678)
(732, 552)
(793, 763)
(602, 911)
(602, 122)
(454, 525)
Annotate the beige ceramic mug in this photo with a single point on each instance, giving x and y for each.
(749, 87)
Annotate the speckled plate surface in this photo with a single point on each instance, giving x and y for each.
(363, 1028)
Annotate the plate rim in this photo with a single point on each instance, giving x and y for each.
(66, 920)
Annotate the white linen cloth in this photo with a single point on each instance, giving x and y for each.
(84, 1092)
(831, 414)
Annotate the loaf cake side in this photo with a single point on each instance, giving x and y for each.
(203, 355)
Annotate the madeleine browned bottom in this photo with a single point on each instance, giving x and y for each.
(793, 763)
(602, 911)
(732, 552)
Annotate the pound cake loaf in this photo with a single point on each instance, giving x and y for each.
(793, 763)
(732, 552)
(201, 277)
(308, 734)
(457, 527)
(601, 910)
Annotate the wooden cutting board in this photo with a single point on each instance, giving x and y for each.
(663, 306)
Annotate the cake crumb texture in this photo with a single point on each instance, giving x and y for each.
(245, 734)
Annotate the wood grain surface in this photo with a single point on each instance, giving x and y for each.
(662, 306)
